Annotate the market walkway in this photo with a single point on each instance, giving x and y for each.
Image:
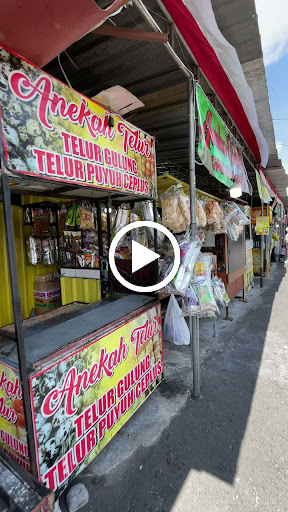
(226, 452)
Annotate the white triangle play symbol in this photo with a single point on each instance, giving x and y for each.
(141, 256)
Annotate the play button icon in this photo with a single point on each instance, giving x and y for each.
(141, 256)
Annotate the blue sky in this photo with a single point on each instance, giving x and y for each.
(273, 24)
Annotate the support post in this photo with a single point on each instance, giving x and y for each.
(109, 207)
(193, 321)
(155, 238)
(261, 252)
(16, 303)
(100, 245)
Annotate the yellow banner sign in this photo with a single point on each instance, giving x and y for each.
(50, 131)
(82, 402)
(262, 225)
(12, 424)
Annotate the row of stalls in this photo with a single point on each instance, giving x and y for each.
(79, 353)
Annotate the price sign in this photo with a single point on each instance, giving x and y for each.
(262, 225)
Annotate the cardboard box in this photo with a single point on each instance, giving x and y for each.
(47, 295)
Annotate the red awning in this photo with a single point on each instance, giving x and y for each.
(209, 63)
(39, 30)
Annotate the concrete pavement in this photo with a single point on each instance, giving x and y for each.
(225, 452)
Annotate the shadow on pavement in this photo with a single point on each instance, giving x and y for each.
(207, 434)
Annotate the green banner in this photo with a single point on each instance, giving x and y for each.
(218, 149)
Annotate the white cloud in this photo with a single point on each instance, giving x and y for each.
(273, 24)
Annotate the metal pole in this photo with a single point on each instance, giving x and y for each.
(193, 321)
(100, 245)
(261, 252)
(155, 238)
(110, 283)
(155, 27)
(16, 303)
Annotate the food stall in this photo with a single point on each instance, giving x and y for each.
(69, 381)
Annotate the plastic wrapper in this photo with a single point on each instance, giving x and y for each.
(122, 218)
(220, 293)
(87, 220)
(73, 217)
(203, 285)
(184, 205)
(214, 216)
(49, 251)
(200, 214)
(175, 328)
(191, 304)
(233, 213)
(148, 214)
(89, 239)
(189, 251)
(212, 210)
(135, 216)
(232, 231)
(34, 250)
(62, 216)
(40, 225)
(89, 259)
(172, 216)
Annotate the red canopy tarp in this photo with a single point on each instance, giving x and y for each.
(39, 30)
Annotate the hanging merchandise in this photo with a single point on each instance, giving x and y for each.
(190, 303)
(148, 214)
(40, 221)
(232, 231)
(214, 217)
(122, 218)
(200, 214)
(49, 251)
(87, 220)
(172, 215)
(233, 213)
(73, 218)
(203, 284)
(175, 328)
(189, 250)
(62, 217)
(220, 293)
(34, 250)
(135, 216)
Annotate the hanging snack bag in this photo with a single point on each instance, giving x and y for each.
(87, 220)
(148, 214)
(203, 284)
(34, 250)
(172, 216)
(62, 216)
(189, 251)
(220, 293)
(184, 205)
(200, 214)
(233, 213)
(232, 231)
(122, 218)
(48, 251)
(191, 303)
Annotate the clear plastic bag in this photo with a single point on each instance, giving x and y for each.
(232, 231)
(215, 217)
(233, 213)
(172, 216)
(203, 285)
(175, 328)
(220, 293)
(189, 251)
(191, 304)
(200, 214)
